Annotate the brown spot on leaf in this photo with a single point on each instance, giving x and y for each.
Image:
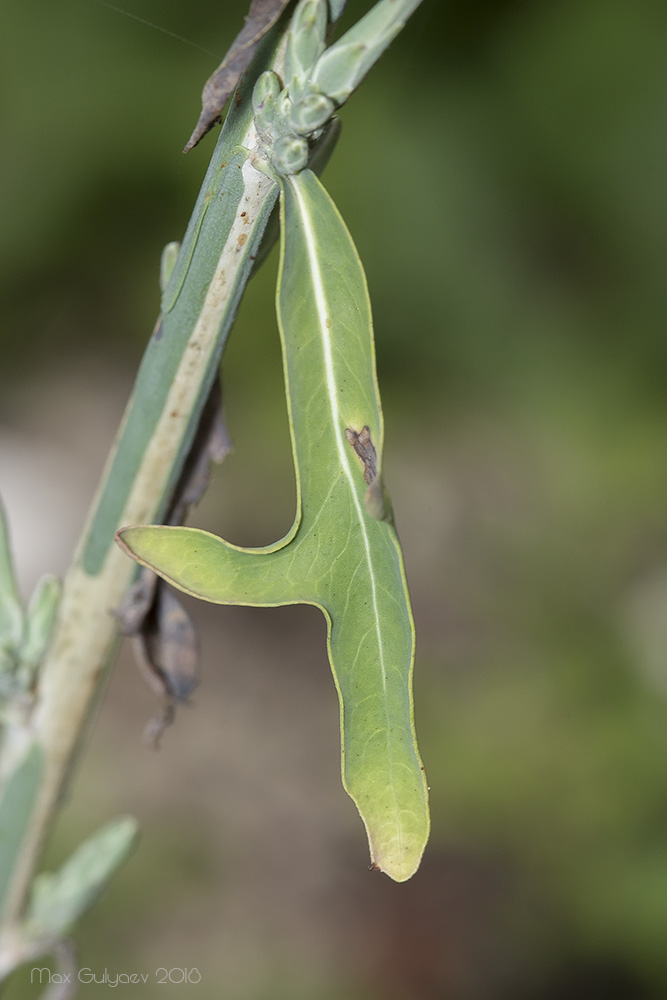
(242, 239)
(365, 451)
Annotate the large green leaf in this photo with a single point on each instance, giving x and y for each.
(342, 553)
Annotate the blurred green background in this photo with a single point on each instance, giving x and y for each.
(503, 173)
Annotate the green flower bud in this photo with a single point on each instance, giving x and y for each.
(264, 97)
(283, 111)
(289, 154)
(311, 113)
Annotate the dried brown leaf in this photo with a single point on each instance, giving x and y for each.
(262, 15)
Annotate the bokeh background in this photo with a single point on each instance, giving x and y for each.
(503, 172)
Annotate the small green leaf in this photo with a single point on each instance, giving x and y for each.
(336, 8)
(305, 41)
(342, 553)
(11, 608)
(343, 66)
(337, 74)
(59, 898)
(42, 612)
(168, 262)
(16, 808)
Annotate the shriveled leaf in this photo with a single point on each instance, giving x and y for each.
(171, 645)
(262, 15)
(342, 553)
(167, 652)
(165, 639)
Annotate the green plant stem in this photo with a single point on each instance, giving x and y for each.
(178, 368)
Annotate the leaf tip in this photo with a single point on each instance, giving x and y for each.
(205, 123)
(398, 869)
(398, 852)
(125, 539)
(120, 540)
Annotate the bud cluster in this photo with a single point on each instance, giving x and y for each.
(288, 117)
(317, 80)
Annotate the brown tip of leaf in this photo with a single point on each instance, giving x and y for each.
(262, 15)
(205, 124)
(155, 727)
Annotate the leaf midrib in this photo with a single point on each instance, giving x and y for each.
(342, 446)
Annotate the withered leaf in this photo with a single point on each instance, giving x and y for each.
(262, 15)
(168, 648)
(165, 640)
(167, 652)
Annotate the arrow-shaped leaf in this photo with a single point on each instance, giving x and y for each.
(342, 553)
